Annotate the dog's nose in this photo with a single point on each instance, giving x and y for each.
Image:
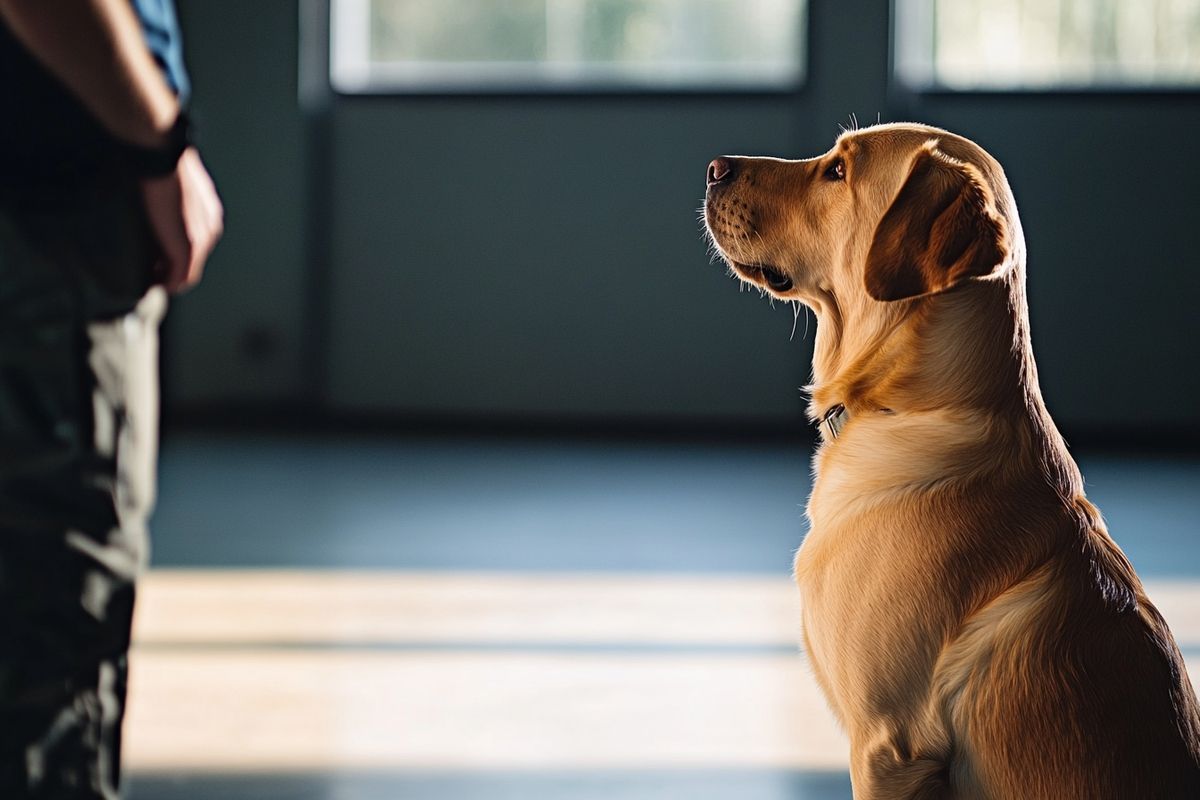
(719, 169)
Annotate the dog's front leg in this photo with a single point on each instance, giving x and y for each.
(887, 768)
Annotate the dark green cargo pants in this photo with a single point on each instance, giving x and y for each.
(78, 439)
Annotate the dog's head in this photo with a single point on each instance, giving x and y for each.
(891, 212)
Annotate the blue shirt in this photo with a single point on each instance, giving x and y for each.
(161, 29)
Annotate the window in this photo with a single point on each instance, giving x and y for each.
(1049, 44)
(506, 45)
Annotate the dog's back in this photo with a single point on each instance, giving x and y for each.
(1070, 685)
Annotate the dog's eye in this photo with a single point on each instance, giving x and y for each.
(836, 171)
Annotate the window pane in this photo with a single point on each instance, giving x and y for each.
(1064, 43)
(470, 45)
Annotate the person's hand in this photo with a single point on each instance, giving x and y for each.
(186, 217)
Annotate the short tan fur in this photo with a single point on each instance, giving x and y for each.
(971, 622)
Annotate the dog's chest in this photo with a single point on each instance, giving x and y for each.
(869, 613)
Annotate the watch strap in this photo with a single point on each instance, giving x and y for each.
(154, 162)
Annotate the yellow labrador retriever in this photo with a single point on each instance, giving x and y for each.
(970, 621)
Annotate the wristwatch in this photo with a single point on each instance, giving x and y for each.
(154, 162)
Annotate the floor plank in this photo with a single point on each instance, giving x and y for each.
(267, 710)
(376, 606)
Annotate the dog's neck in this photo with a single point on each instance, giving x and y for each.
(964, 347)
(966, 350)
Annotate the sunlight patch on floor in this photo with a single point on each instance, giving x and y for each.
(264, 606)
(260, 671)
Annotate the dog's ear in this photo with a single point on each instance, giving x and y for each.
(941, 229)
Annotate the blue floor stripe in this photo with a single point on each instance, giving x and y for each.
(498, 505)
(697, 784)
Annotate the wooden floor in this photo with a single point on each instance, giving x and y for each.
(285, 671)
(375, 670)
(502, 656)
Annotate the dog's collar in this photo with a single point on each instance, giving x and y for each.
(832, 423)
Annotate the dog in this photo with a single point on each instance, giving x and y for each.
(971, 623)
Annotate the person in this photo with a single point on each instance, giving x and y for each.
(105, 208)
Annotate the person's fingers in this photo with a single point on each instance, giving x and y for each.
(203, 212)
(209, 223)
(199, 257)
(214, 211)
(205, 240)
(177, 255)
(189, 268)
(186, 215)
(164, 208)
